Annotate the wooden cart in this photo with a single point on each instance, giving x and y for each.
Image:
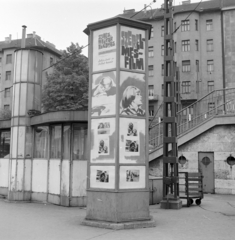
(190, 187)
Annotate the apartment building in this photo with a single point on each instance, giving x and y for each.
(203, 49)
(7, 53)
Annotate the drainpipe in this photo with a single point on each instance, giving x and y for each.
(223, 59)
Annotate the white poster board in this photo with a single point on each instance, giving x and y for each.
(104, 49)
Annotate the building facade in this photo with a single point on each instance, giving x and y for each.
(43, 156)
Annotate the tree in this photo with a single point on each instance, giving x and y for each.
(67, 86)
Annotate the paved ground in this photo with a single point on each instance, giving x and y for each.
(214, 219)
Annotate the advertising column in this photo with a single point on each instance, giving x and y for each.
(117, 187)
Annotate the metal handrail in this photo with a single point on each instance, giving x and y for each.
(197, 113)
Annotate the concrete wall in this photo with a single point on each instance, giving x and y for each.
(221, 141)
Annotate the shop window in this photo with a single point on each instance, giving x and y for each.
(5, 144)
(55, 151)
(41, 142)
(79, 141)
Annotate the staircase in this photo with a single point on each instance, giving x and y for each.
(216, 108)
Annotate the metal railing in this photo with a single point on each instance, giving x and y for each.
(217, 102)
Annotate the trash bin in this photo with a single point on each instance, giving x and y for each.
(155, 190)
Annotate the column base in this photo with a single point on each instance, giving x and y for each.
(171, 204)
(120, 226)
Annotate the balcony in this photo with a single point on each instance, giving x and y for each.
(153, 97)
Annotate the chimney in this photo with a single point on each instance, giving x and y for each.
(145, 5)
(8, 39)
(23, 36)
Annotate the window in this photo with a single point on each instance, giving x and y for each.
(150, 70)
(186, 87)
(196, 25)
(162, 31)
(151, 90)
(8, 58)
(174, 26)
(197, 65)
(51, 61)
(209, 25)
(7, 92)
(152, 32)
(210, 45)
(55, 151)
(0, 61)
(162, 90)
(185, 45)
(185, 25)
(210, 66)
(211, 106)
(175, 47)
(210, 86)
(8, 75)
(6, 107)
(80, 148)
(162, 50)
(5, 140)
(150, 52)
(151, 111)
(196, 45)
(186, 66)
(41, 142)
(162, 69)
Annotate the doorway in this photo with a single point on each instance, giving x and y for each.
(206, 167)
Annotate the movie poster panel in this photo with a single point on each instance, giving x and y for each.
(132, 94)
(103, 94)
(104, 49)
(102, 140)
(132, 140)
(132, 49)
(132, 177)
(102, 177)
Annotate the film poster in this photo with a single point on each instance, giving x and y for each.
(132, 177)
(102, 177)
(102, 140)
(132, 140)
(132, 48)
(104, 49)
(103, 94)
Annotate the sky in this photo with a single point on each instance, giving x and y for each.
(63, 21)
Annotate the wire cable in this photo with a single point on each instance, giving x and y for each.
(143, 8)
(187, 17)
(66, 57)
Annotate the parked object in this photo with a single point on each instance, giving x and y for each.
(191, 187)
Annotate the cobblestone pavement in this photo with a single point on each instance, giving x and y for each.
(213, 219)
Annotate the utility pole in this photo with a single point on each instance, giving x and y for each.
(170, 148)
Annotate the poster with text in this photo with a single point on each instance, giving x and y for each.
(104, 49)
(132, 140)
(102, 142)
(103, 94)
(102, 177)
(132, 177)
(132, 94)
(132, 48)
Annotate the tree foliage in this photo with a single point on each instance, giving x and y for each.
(67, 86)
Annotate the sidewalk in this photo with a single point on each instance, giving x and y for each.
(213, 219)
